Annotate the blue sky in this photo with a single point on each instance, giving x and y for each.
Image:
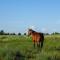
(19, 15)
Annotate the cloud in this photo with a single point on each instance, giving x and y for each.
(29, 27)
(32, 27)
(44, 30)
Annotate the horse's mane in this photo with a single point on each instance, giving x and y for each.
(33, 31)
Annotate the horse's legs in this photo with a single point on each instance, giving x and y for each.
(38, 44)
(34, 43)
(42, 44)
(42, 40)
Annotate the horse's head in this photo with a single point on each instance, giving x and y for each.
(29, 31)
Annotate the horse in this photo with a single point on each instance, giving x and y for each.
(37, 37)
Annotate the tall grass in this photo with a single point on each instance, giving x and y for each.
(11, 45)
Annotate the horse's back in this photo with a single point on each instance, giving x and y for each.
(37, 37)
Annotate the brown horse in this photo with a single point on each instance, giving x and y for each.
(37, 38)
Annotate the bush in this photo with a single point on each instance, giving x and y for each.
(2, 32)
(19, 33)
(24, 33)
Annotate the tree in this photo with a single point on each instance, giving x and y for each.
(13, 34)
(46, 33)
(24, 33)
(57, 33)
(54, 33)
(6, 33)
(2, 32)
(19, 33)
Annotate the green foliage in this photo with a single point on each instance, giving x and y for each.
(24, 33)
(55, 33)
(19, 33)
(1, 32)
(12, 34)
(4, 33)
(11, 44)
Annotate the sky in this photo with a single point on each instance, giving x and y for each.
(40, 15)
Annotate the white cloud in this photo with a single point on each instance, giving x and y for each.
(44, 30)
(32, 27)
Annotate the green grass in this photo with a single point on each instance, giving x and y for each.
(10, 45)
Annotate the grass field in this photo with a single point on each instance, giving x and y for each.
(10, 45)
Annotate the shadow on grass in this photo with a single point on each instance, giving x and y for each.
(19, 56)
(58, 48)
(54, 58)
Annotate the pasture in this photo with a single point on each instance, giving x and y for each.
(11, 44)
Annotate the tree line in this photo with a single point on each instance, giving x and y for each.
(4, 33)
